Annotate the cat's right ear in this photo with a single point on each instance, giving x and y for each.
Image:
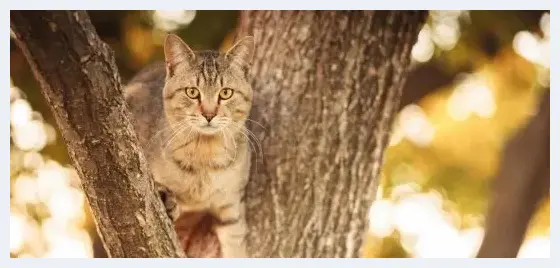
(176, 53)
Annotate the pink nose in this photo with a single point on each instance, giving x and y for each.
(208, 112)
(208, 116)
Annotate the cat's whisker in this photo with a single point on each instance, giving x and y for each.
(253, 121)
(253, 148)
(256, 140)
(173, 127)
(242, 130)
(186, 136)
(231, 137)
(225, 139)
(176, 130)
(176, 133)
(246, 131)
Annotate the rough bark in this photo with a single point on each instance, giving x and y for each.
(81, 84)
(523, 181)
(327, 85)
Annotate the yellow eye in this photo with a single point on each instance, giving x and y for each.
(192, 92)
(226, 93)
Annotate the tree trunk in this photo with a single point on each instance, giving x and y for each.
(327, 85)
(523, 181)
(81, 84)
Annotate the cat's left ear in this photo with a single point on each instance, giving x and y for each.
(242, 52)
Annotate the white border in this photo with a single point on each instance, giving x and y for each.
(284, 4)
(283, 263)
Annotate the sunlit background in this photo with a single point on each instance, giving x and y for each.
(443, 154)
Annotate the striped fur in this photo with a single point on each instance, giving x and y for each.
(198, 164)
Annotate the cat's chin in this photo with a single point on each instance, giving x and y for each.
(208, 130)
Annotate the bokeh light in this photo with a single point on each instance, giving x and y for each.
(473, 95)
(535, 247)
(441, 32)
(533, 47)
(381, 221)
(47, 213)
(17, 230)
(20, 112)
(170, 20)
(412, 124)
(423, 50)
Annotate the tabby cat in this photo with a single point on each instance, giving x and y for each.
(189, 114)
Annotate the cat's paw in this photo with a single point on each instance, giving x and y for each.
(169, 202)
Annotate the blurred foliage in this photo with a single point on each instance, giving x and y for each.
(450, 144)
(444, 151)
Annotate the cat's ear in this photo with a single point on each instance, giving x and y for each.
(242, 52)
(176, 53)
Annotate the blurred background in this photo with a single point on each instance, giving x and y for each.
(476, 79)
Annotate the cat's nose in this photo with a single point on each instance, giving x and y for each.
(208, 110)
(209, 116)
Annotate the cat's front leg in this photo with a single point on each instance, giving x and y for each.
(169, 201)
(231, 229)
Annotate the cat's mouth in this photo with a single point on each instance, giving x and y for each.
(209, 129)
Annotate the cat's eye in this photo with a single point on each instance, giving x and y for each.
(192, 92)
(226, 93)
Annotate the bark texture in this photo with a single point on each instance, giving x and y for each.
(327, 85)
(81, 84)
(523, 181)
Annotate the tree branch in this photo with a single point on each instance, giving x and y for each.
(523, 181)
(81, 84)
(427, 78)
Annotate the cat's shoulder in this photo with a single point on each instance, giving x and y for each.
(154, 71)
(148, 82)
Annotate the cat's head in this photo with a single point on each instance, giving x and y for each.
(207, 90)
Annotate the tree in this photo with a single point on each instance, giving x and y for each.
(81, 83)
(328, 85)
(522, 182)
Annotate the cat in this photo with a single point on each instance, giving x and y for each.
(189, 114)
